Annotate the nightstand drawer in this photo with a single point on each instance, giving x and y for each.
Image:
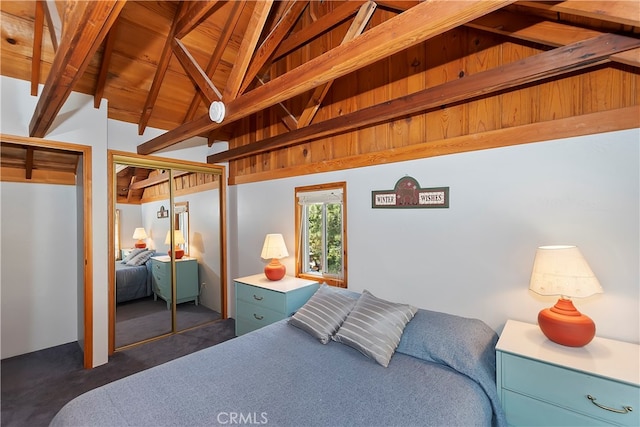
(568, 389)
(256, 314)
(159, 271)
(261, 297)
(521, 408)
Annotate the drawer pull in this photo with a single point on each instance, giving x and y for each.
(257, 298)
(262, 317)
(624, 410)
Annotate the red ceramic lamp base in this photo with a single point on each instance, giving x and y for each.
(274, 270)
(140, 244)
(179, 253)
(565, 325)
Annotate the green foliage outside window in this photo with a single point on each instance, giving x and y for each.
(324, 221)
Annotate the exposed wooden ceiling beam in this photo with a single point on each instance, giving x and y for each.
(156, 179)
(225, 35)
(357, 27)
(218, 135)
(196, 13)
(544, 65)
(325, 23)
(288, 119)
(38, 29)
(132, 182)
(539, 30)
(54, 23)
(398, 5)
(29, 163)
(273, 40)
(196, 73)
(87, 27)
(620, 11)
(320, 92)
(420, 23)
(247, 48)
(104, 66)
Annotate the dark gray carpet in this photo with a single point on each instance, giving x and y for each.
(145, 318)
(36, 385)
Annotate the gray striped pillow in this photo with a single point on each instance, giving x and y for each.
(323, 314)
(374, 327)
(141, 258)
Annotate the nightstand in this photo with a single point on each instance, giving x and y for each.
(260, 301)
(186, 279)
(546, 384)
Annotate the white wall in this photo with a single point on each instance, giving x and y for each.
(474, 259)
(39, 264)
(204, 244)
(130, 219)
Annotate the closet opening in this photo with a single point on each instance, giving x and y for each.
(47, 286)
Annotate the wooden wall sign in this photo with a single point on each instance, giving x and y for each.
(408, 194)
(163, 213)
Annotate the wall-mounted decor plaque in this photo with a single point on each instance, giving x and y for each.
(163, 213)
(408, 194)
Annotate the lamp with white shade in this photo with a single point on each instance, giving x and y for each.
(178, 239)
(274, 249)
(562, 270)
(139, 234)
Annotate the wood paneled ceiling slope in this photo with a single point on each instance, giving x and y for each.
(309, 86)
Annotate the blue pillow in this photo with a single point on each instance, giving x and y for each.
(464, 344)
(459, 342)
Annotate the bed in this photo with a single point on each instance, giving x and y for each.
(441, 373)
(133, 276)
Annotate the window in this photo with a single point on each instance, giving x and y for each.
(321, 244)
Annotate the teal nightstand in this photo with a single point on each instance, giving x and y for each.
(542, 383)
(186, 277)
(260, 301)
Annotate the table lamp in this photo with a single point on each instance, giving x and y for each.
(140, 235)
(562, 270)
(178, 239)
(274, 249)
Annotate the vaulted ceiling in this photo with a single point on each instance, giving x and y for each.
(162, 64)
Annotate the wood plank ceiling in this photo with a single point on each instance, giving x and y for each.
(162, 64)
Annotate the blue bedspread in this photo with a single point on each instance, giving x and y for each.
(281, 376)
(132, 282)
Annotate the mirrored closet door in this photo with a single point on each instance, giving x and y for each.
(197, 248)
(168, 234)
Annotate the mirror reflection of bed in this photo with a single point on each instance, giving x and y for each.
(143, 220)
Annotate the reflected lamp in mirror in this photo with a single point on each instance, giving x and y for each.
(562, 270)
(139, 234)
(274, 249)
(178, 239)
